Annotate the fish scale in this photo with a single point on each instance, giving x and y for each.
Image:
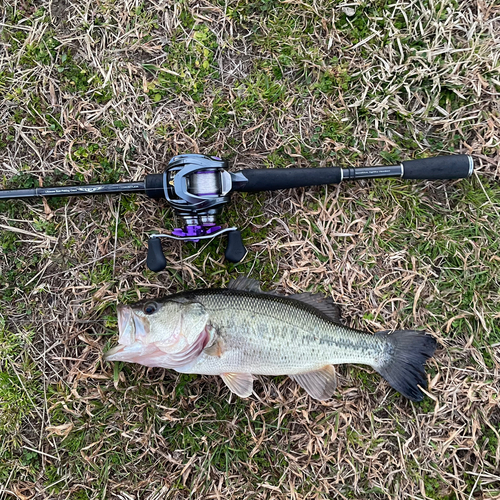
(267, 334)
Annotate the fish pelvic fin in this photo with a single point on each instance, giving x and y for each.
(320, 384)
(403, 367)
(239, 383)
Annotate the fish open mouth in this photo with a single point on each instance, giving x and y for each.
(130, 328)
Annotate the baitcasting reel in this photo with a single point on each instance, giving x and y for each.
(197, 187)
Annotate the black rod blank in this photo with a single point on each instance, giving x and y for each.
(89, 189)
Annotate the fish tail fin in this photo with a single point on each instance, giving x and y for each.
(403, 367)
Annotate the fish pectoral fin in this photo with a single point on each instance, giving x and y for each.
(216, 349)
(239, 383)
(244, 283)
(320, 384)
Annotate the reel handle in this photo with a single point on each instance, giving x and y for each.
(235, 250)
(156, 262)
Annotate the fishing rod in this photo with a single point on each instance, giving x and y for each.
(197, 187)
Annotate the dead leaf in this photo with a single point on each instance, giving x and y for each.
(60, 430)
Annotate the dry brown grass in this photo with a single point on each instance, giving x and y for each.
(264, 82)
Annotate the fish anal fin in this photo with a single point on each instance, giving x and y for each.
(239, 383)
(244, 283)
(324, 304)
(319, 384)
(216, 349)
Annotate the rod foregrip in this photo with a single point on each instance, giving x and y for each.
(439, 167)
(153, 184)
(272, 179)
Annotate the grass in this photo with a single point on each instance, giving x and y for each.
(109, 91)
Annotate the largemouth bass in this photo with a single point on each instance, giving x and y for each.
(240, 331)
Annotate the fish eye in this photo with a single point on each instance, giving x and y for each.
(150, 307)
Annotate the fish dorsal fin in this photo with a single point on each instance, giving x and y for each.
(239, 383)
(319, 384)
(245, 283)
(320, 302)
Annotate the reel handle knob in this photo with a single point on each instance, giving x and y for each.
(235, 250)
(156, 261)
